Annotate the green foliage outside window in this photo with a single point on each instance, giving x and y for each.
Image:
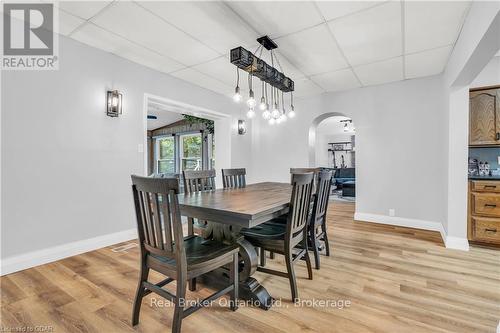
(209, 124)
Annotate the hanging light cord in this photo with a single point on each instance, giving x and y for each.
(237, 77)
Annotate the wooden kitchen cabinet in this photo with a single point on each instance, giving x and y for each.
(484, 212)
(484, 117)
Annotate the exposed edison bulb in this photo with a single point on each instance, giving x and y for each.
(262, 104)
(291, 114)
(266, 114)
(237, 95)
(275, 113)
(272, 121)
(250, 113)
(251, 99)
(283, 117)
(278, 120)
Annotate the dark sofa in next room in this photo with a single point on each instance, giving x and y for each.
(347, 177)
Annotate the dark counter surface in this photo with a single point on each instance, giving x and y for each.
(484, 177)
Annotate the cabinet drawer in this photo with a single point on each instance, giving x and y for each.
(486, 204)
(486, 186)
(486, 229)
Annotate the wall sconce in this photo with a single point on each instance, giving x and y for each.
(114, 103)
(242, 127)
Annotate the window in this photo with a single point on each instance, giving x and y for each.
(165, 154)
(183, 151)
(191, 152)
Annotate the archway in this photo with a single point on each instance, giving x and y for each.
(332, 146)
(312, 134)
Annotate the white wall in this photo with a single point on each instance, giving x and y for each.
(66, 166)
(489, 76)
(400, 143)
(479, 41)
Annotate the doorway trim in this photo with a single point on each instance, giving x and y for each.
(177, 107)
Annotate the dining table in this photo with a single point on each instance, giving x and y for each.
(227, 212)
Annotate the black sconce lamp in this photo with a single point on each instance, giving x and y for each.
(242, 127)
(114, 103)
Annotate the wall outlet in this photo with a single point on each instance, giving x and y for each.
(392, 212)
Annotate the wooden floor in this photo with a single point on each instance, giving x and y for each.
(396, 279)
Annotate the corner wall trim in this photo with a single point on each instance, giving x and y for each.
(44, 256)
(457, 243)
(450, 242)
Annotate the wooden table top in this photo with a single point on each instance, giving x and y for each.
(245, 207)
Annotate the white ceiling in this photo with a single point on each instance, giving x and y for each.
(164, 116)
(323, 46)
(332, 126)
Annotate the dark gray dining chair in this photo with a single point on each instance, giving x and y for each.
(289, 237)
(164, 249)
(234, 178)
(317, 222)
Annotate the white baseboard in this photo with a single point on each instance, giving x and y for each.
(44, 256)
(450, 242)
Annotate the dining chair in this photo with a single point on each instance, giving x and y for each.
(234, 178)
(196, 181)
(317, 223)
(285, 238)
(282, 219)
(164, 249)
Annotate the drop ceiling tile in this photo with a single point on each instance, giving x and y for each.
(426, 63)
(430, 24)
(204, 81)
(335, 9)
(305, 87)
(277, 18)
(335, 81)
(312, 51)
(371, 35)
(135, 23)
(68, 23)
(214, 23)
(223, 70)
(380, 72)
(82, 9)
(284, 64)
(95, 36)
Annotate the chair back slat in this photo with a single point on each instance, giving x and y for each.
(299, 205)
(234, 178)
(307, 170)
(158, 219)
(322, 195)
(196, 181)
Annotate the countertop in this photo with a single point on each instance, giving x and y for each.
(484, 177)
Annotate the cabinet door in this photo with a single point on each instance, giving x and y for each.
(483, 120)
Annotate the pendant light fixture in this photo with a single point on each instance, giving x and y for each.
(269, 75)
(291, 114)
(237, 94)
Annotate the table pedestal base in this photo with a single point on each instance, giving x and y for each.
(249, 289)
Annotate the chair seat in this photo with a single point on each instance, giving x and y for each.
(199, 252)
(268, 230)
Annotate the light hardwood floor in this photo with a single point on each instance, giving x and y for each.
(397, 280)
